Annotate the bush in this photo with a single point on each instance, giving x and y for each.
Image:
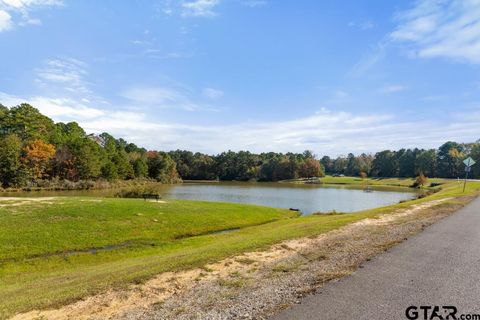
(331, 213)
(420, 181)
(137, 192)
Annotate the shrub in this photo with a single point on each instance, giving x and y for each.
(331, 213)
(420, 181)
(136, 192)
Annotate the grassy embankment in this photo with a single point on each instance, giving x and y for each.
(60, 250)
(359, 182)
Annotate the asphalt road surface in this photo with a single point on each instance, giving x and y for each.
(438, 267)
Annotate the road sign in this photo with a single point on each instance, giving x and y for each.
(469, 162)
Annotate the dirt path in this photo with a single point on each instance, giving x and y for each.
(256, 284)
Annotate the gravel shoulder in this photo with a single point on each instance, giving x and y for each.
(256, 285)
(438, 267)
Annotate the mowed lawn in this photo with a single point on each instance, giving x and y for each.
(54, 250)
(375, 182)
(60, 250)
(57, 226)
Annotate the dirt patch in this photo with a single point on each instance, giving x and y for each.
(157, 201)
(20, 201)
(34, 199)
(255, 285)
(401, 213)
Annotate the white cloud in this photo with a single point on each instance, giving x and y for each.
(331, 133)
(151, 95)
(68, 70)
(22, 9)
(199, 8)
(188, 8)
(326, 132)
(434, 98)
(369, 60)
(160, 97)
(320, 130)
(5, 21)
(363, 25)
(22, 4)
(67, 74)
(166, 7)
(340, 94)
(366, 25)
(445, 29)
(160, 55)
(211, 93)
(31, 21)
(392, 88)
(254, 3)
(65, 94)
(60, 109)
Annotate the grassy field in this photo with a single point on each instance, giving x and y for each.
(376, 182)
(62, 249)
(62, 226)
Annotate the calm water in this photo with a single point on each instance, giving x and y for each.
(307, 198)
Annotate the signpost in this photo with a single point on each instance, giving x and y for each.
(469, 162)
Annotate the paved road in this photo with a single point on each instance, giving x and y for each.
(440, 266)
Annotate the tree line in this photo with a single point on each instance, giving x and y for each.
(444, 162)
(245, 166)
(33, 149)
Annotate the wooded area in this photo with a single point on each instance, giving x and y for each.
(34, 149)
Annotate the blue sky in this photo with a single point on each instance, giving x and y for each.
(261, 75)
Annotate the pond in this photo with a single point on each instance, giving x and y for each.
(307, 198)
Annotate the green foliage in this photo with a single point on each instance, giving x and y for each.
(406, 163)
(87, 157)
(123, 165)
(446, 162)
(475, 154)
(109, 170)
(12, 171)
(449, 160)
(245, 166)
(30, 140)
(80, 156)
(328, 164)
(140, 167)
(426, 162)
(26, 122)
(161, 167)
(385, 164)
(65, 133)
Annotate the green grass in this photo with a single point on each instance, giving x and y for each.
(67, 225)
(36, 242)
(376, 182)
